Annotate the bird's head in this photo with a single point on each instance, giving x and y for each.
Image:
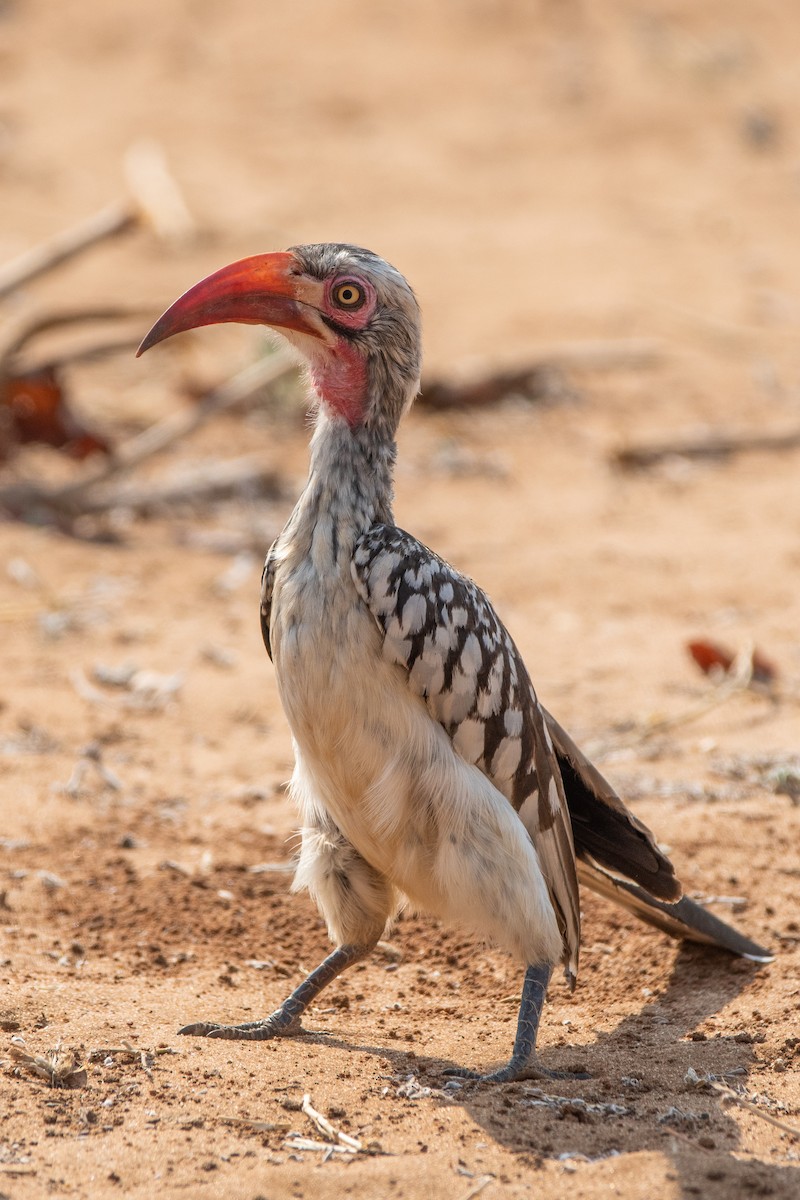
(351, 315)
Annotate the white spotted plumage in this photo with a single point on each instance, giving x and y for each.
(463, 663)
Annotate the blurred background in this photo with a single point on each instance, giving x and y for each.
(598, 205)
(542, 169)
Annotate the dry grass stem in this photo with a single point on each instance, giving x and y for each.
(728, 1096)
(478, 1187)
(353, 1145)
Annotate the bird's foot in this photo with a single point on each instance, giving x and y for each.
(514, 1071)
(279, 1024)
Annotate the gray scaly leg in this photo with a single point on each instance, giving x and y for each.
(285, 1021)
(523, 1064)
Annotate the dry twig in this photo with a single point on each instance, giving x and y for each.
(728, 1096)
(20, 332)
(201, 485)
(478, 1187)
(712, 445)
(155, 200)
(109, 222)
(540, 380)
(351, 1144)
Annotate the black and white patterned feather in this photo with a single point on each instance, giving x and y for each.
(267, 588)
(443, 631)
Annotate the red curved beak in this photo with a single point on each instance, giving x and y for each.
(260, 290)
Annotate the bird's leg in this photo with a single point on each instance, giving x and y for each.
(286, 1019)
(522, 1064)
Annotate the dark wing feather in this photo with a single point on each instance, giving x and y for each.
(603, 828)
(611, 842)
(267, 585)
(441, 628)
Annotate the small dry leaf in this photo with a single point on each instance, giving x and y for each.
(711, 656)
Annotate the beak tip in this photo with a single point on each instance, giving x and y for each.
(150, 339)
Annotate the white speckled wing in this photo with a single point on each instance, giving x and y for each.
(442, 629)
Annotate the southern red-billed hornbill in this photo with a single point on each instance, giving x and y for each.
(426, 769)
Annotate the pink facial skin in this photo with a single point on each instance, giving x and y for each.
(339, 371)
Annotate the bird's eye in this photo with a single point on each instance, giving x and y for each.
(348, 295)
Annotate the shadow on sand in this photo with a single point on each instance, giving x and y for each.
(642, 1065)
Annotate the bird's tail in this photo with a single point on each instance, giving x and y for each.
(683, 918)
(619, 857)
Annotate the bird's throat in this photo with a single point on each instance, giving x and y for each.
(350, 478)
(340, 380)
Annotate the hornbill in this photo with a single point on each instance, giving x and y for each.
(426, 770)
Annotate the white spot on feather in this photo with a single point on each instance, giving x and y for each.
(552, 796)
(427, 674)
(455, 704)
(512, 720)
(488, 703)
(415, 610)
(469, 739)
(471, 657)
(506, 758)
(443, 638)
(529, 812)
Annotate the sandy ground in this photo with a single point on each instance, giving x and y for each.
(543, 173)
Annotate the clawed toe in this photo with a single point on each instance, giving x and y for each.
(278, 1025)
(513, 1072)
(543, 1073)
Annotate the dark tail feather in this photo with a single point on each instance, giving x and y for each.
(611, 842)
(683, 919)
(604, 830)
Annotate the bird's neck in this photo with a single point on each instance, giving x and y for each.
(349, 489)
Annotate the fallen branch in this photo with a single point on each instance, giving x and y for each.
(201, 485)
(735, 684)
(108, 223)
(18, 333)
(715, 445)
(541, 380)
(60, 1068)
(174, 428)
(155, 201)
(156, 193)
(482, 1182)
(541, 383)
